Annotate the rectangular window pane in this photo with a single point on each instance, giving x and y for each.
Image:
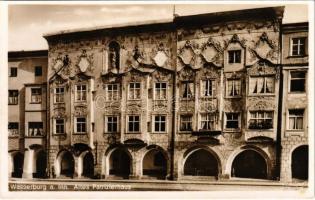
(13, 128)
(36, 95)
(13, 97)
(35, 129)
(261, 120)
(234, 56)
(13, 72)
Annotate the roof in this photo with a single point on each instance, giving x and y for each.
(268, 13)
(26, 54)
(294, 27)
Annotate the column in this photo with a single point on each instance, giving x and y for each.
(29, 164)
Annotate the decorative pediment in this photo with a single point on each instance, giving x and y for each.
(80, 110)
(85, 62)
(59, 112)
(134, 106)
(235, 39)
(262, 67)
(262, 105)
(186, 74)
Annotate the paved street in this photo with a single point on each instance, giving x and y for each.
(149, 185)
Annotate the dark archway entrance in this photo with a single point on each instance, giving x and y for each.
(201, 163)
(41, 164)
(119, 163)
(67, 164)
(154, 164)
(18, 160)
(249, 164)
(299, 163)
(88, 165)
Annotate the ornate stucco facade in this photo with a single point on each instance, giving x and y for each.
(198, 97)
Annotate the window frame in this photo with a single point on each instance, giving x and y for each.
(13, 74)
(134, 121)
(160, 123)
(186, 122)
(38, 71)
(265, 78)
(203, 88)
(227, 93)
(13, 132)
(234, 56)
(82, 92)
(160, 91)
(182, 90)
(15, 98)
(36, 98)
(41, 130)
(107, 124)
(295, 119)
(59, 124)
(227, 120)
(298, 46)
(210, 116)
(264, 119)
(59, 94)
(112, 91)
(134, 91)
(290, 81)
(82, 123)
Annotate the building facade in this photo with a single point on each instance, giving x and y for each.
(199, 97)
(27, 113)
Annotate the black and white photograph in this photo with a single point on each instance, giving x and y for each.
(113, 98)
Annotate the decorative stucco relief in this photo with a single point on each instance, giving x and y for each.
(80, 110)
(233, 105)
(261, 103)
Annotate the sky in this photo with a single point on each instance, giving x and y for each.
(28, 23)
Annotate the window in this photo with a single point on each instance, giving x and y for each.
(112, 92)
(160, 91)
(298, 46)
(208, 88)
(296, 119)
(36, 95)
(159, 123)
(59, 94)
(261, 120)
(111, 124)
(133, 123)
(38, 71)
(113, 56)
(13, 72)
(232, 121)
(13, 128)
(185, 123)
(134, 91)
(233, 88)
(262, 85)
(81, 92)
(60, 126)
(13, 97)
(80, 125)
(234, 56)
(297, 83)
(35, 129)
(187, 90)
(207, 122)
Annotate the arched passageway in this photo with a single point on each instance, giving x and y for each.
(67, 165)
(119, 163)
(88, 165)
(154, 164)
(249, 164)
(18, 160)
(299, 163)
(201, 163)
(41, 165)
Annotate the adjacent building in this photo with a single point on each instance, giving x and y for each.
(203, 97)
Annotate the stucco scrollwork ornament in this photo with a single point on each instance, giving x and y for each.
(161, 56)
(186, 106)
(80, 110)
(208, 105)
(212, 52)
(233, 105)
(262, 105)
(59, 112)
(57, 63)
(134, 107)
(187, 53)
(265, 48)
(160, 105)
(186, 74)
(262, 68)
(161, 75)
(209, 72)
(137, 54)
(85, 62)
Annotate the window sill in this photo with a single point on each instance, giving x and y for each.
(13, 136)
(38, 136)
(59, 134)
(260, 130)
(58, 103)
(233, 97)
(134, 99)
(297, 93)
(133, 133)
(13, 104)
(107, 133)
(238, 130)
(262, 94)
(185, 132)
(158, 132)
(289, 133)
(210, 97)
(83, 133)
(297, 56)
(187, 99)
(35, 102)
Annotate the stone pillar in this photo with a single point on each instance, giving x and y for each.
(76, 167)
(176, 175)
(79, 164)
(135, 173)
(29, 164)
(10, 167)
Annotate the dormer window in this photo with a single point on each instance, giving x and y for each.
(235, 56)
(114, 55)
